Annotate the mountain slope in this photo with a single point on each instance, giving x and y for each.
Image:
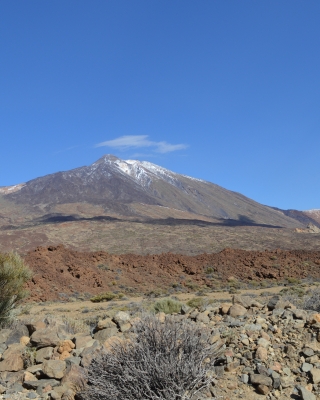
(120, 186)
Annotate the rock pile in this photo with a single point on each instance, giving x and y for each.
(267, 351)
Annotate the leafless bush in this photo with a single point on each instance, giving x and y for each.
(311, 301)
(168, 361)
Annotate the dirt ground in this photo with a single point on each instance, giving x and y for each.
(84, 310)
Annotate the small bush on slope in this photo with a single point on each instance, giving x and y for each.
(162, 361)
(13, 276)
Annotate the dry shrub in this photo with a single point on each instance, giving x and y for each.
(169, 361)
(311, 301)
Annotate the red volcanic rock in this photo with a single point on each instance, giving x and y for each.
(60, 272)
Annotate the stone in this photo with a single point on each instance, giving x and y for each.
(89, 353)
(257, 379)
(244, 378)
(65, 346)
(306, 367)
(315, 375)
(244, 301)
(305, 394)
(28, 376)
(224, 308)
(237, 310)
(12, 358)
(64, 356)
(55, 395)
(263, 343)
(300, 314)
(41, 383)
(112, 341)
(75, 377)
(45, 338)
(263, 389)
(287, 381)
(121, 318)
(16, 334)
(82, 341)
(4, 334)
(73, 360)
(44, 354)
(307, 352)
(105, 323)
(185, 309)
(35, 324)
(261, 353)
(314, 318)
(203, 317)
(24, 340)
(253, 327)
(68, 395)
(104, 334)
(273, 302)
(54, 368)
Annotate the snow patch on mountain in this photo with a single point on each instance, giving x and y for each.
(11, 189)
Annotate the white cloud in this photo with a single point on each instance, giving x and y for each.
(139, 141)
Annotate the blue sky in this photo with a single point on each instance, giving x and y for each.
(227, 91)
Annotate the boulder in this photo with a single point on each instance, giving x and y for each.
(45, 338)
(315, 375)
(104, 334)
(75, 378)
(16, 334)
(105, 323)
(258, 379)
(12, 363)
(82, 341)
(237, 310)
(44, 354)
(65, 346)
(261, 353)
(305, 394)
(54, 368)
(122, 319)
(89, 353)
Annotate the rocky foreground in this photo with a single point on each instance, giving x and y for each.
(267, 351)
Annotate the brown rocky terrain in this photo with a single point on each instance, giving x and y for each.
(266, 348)
(60, 273)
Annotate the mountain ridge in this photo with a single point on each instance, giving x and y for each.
(122, 186)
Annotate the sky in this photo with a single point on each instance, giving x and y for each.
(223, 90)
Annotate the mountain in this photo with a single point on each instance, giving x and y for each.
(306, 217)
(141, 189)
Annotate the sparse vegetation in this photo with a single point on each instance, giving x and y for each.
(13, 276)
(312, 300)
(168, 306)
(103, 297)
(165, 361)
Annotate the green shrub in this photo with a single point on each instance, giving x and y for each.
(168, 306)
(13, 276)
(293, 281)
(103, 297)
(196, 302)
